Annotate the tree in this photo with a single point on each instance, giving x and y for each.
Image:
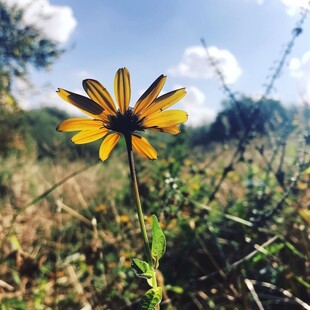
(238, 117)
(20, 46)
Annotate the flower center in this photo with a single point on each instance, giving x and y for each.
(125, 123)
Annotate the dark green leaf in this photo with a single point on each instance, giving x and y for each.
(269, 250)
(151, 299)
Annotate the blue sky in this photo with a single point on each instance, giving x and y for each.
(154, 37)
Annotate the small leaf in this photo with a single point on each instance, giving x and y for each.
(294, 250)
(174, 289)
(151, 299)
(141, 268)
(158, 241)
(269, 250)
(303, 282)
(15, 244)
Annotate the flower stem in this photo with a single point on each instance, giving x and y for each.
(135, 190)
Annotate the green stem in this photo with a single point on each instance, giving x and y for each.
(135, 190)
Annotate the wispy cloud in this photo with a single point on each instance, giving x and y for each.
(56, 22)
(194, 103)
(195, 64)
(300, 70)
(31, 96)
(300, 67)
(293, 7)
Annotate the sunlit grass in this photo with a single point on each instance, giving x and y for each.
(90, 259)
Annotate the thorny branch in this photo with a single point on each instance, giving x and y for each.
(249, 130)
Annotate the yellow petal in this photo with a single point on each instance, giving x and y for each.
(165, 119)
(150, 94)
(122, 89)
(108, 145)
(174, 130)
(87, 136)
(164, 102)
(98, 93)
(85, 104)
(77, 124)
(141, 146)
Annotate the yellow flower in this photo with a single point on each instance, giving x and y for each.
(110, 123)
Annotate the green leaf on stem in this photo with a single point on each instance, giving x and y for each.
(151, 299)
(141, 268)
(158, 241)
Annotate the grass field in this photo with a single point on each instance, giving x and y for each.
(242, 246)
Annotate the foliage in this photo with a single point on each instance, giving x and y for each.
(80, 242)
(27, 131)
(21, 45)
(231, 122)
(42, 123)
(13, 137)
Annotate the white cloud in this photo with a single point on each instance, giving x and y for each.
(294, 67)
(194, 103)
(293, 7)
(31, 96)
(300, 70)
(56, 22)
(195, 106)
(195, 64)
(194, 96)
